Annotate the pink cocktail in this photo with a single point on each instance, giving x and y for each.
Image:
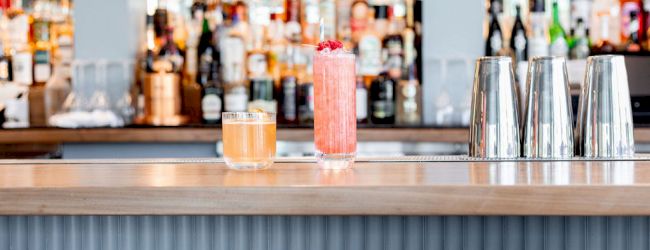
(335, 119)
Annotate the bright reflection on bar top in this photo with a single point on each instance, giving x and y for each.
(303, 172)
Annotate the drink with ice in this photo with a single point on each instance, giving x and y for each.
(335, 122)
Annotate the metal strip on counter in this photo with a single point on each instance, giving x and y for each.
(419, 158)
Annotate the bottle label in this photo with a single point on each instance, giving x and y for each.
(383, 109)
(257, 65)
(22, 68)
(211, 106)
(17, 31)
(559, 47)
(42, 69)
(520, 43)
(537, 47)
(4, 70)
(236, 100)
(369, 55)
(289, 99)
(496, 42)
(232, 59)
(362, 103)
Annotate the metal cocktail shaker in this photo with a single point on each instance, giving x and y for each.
(604, 125)
(548, 119)
(494, 119)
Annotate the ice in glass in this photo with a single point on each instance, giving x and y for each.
(335, 121)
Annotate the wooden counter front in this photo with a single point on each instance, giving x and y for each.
(177, 187)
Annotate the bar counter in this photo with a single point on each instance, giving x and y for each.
(424, 185)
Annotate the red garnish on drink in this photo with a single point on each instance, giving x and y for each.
(331, 44)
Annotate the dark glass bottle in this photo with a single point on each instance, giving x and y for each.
(306, 101)
(170, 57)
(494, 42)
(206, 41)
(382, 100)
(519, 40)
(286, 93)
(212, 93)
(5, 66)
(160, 21)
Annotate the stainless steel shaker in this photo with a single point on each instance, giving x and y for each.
(548, 119)
(494, 119)
(604, 125)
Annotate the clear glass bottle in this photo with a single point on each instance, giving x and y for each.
(409, 99)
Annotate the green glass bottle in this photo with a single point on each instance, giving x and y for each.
(559, 45)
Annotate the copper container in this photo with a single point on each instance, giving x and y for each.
(162, 99)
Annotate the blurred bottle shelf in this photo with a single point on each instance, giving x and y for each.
(208, 134)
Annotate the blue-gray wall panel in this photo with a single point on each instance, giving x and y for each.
(322, 232)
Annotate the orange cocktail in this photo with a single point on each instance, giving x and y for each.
(335, 119)
(248, 140)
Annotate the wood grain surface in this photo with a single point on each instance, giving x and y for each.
(371, 188)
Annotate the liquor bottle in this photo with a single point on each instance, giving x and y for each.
(205, 41)
(310, 21)
(198, 9)
(603, 45)
(212, 95)
(261, 95)
(327, 11)
(257, 58)
(63, 36)
(628, 24)
(292, 29)
(359, 19)
(5, 65)
(494, 42)
(343, 29)
(393, 50)
(633, 43)
(233, 54)
(170, 57)
(306, 103)
(160, 20)
(305, 96)
(409, 99)
(381, 20)
(286, 93)
(369, 48)
(580, 49)
(538, 39)
(17, 37)
(149, 56)
(362, 101)
(518, 39)
(559, 45)
(382, 100)
(42, 50)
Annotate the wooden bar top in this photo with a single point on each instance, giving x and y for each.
(398, 186)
